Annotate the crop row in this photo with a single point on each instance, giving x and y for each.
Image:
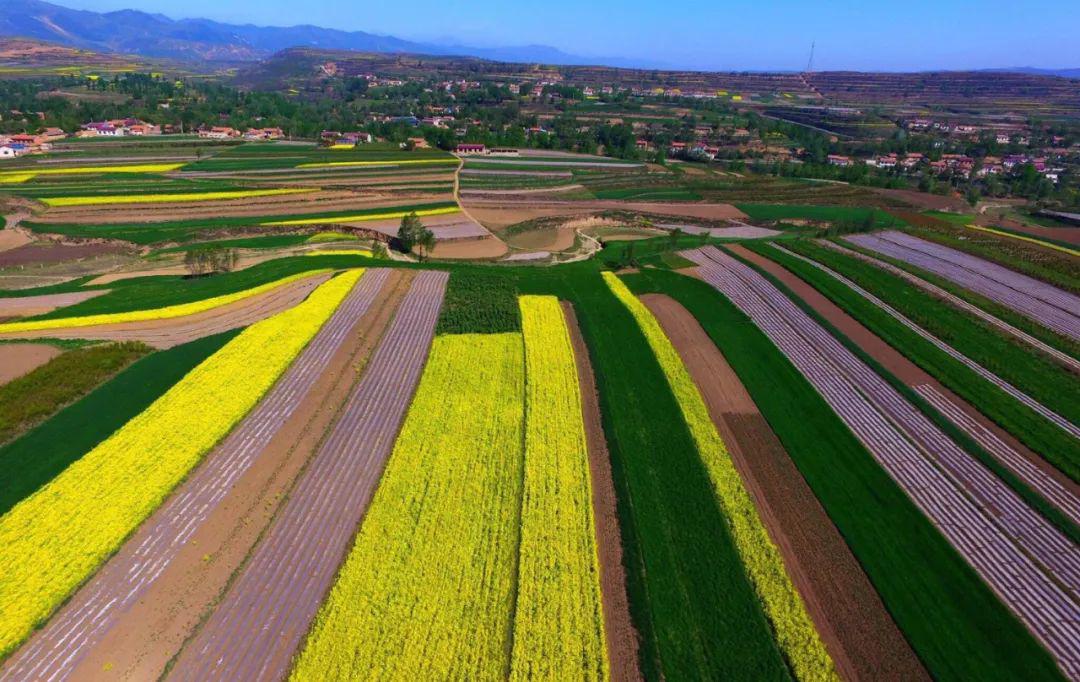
(57, 537)
(169, 312)
(558, 619)
(954, 622)
(1005, 404)
(427, 590)
(1051, 307)
(93, 200)
(35, 457)
(84, 170)
(95, 610)
(974, 509)
(361, 217)
(795, 632)
(261, 619)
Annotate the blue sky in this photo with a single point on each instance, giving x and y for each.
(705, 34)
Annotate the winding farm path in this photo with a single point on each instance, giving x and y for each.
(55, 651)
(1030, 565)
(261, 620)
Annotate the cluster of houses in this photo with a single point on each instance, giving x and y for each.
(249, 135)
(334, 138)
(120, 127)
(1003, 134)
(954, 164)
(12, 146)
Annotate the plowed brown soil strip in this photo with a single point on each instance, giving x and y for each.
(140, 645)
(859, 633)
(177, 330)
(17, 359)
(892, 360)
(25, 306)
(622, 638)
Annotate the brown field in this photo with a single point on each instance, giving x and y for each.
(861, 637)
(26, 306)
(495, 214)
(621, 636)
(488, 247)
(17, 359)
(36, 254)
(925, 201)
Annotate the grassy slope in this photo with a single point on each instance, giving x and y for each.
(33, 397)
(40, 454)
(954, 622)
(690, 597)
(1029, 371)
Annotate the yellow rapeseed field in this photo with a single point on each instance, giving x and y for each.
(55, 539)
(13, 178)
(339, 252)
(170, 198)
(558, 621)
(363, 217)
(79, 170)
(427, 591)
(795, 632)
(179, 310)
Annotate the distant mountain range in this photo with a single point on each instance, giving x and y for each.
(155, 35)
(1032, 71)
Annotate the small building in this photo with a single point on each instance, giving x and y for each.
(12, 150)
(504, 151)
(219, 133)
(263, 134)
(470, 149)
(839, 160)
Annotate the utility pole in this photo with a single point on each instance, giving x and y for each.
(810, 62)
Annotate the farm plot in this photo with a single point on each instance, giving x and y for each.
(795, 632)
(1049, 433)
(959, 628)
(168, 197)
(170, 312)
(255, 629)
(1046, 304)
(427, 590)
(995, 323)
(531, 607)
(78, 519)
(126, 579)
(935, 473)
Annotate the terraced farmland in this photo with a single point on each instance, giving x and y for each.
(670, 458)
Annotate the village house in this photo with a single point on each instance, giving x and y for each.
(219, 133)
(52, 134)
(470, 149)
(143, 129)
(643, 145)
(263, 134)
(11, 150)
(838, 160)
(101, 129)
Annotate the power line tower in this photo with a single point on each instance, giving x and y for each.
(810, 62)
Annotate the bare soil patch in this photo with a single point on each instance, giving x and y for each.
(622, 637)
(488, 247)
(498, 213)
(33, 254)
(858, 631)
(12, 239)
(17, 359)
(925, 201)
(141, 644)
(545, 239)
(27, 306)
(172, 332)
(1070, 235)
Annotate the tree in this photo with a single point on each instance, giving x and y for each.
(426, 242)
(412, 233)
(209, 259)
